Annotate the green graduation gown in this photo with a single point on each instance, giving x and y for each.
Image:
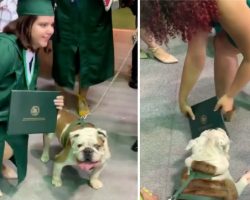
(82, 43)
(12, 76)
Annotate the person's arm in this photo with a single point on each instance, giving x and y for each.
(234, 18)
(193, 66)
(226, 102)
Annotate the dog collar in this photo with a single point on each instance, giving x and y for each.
(79, 122)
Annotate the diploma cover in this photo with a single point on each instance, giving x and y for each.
(32, 112)
(206, 117)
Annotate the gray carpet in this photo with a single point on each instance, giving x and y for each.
(165, 131)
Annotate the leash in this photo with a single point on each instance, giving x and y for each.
(114, 78)
(182, 188)
(193, 175)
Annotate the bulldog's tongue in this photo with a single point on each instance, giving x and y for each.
(87, 165)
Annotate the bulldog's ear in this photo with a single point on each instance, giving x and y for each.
(221, 130)
(190, 145)
(223, 145)
(102, 132)
(73, 134)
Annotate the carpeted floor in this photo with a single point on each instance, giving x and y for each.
(165, 131)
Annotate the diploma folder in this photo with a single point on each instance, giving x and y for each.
(205, 117)
(32, 112)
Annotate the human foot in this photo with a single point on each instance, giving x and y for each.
(246, 176)
(8, 172)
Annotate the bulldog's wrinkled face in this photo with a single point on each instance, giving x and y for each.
(89, 144)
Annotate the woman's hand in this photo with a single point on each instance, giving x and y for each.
(59, 102)
(225, 103)
(186, 110)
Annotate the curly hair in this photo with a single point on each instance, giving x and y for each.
(166, 19)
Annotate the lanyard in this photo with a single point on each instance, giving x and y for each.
(29, 63)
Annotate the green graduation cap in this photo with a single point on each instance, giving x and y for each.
(35, 7)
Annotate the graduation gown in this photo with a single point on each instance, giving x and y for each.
(12, 76)
(82, 43)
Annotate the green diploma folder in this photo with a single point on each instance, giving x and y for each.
(32, 112)
(205, 117)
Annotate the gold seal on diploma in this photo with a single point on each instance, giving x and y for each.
(34, 111)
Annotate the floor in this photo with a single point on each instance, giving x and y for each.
(164, 131)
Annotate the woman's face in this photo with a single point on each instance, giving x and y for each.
(41, 31)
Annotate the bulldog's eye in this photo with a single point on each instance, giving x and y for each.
(79, 145)
(77, 135)
(97, 146)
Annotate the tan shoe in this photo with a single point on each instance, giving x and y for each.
(160, 54)
(83, 108)
(145, 194)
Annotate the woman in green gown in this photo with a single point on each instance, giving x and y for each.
(19, 44)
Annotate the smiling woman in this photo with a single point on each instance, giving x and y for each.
(42, 31)
(19, 43)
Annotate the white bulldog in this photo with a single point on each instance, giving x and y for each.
(210, 157)
(84, 146)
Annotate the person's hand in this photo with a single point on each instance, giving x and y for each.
(59, 102)
(187, 110)
(225, 103)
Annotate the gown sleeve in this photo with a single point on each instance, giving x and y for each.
(8, 57)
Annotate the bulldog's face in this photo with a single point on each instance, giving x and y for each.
(89, 145)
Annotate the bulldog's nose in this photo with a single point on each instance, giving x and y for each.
(88, 153)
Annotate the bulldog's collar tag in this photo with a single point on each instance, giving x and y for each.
(83, 117)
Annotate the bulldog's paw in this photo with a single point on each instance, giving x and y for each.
(45, 157)
(57, 182)
(96, 184)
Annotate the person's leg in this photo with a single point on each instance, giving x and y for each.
(234, 17)
(7, 171)
(134, 70)
(225, 67)
(157, 51)
(225, 64)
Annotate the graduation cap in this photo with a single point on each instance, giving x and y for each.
(35, 7)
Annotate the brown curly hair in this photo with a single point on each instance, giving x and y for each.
(166, 19)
